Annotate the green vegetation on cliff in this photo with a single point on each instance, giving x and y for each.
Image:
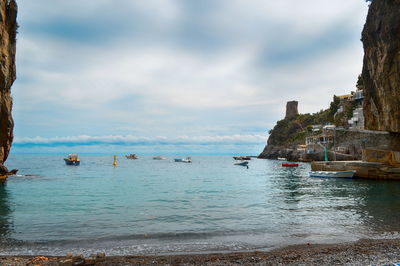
(294, 130)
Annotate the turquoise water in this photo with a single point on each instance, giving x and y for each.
(146, 206)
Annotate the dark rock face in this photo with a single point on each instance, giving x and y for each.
(381, 69)
(291, 109)
(274, 152)
(8, 30)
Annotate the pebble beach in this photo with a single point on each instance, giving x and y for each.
(362, 252)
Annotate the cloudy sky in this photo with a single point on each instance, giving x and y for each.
(176, 76)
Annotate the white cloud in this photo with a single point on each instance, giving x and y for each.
(160, 67)
(155, 73)
(131, 140)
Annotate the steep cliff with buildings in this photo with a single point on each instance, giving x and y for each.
(8, 31)
(368, 118)
(381, 69)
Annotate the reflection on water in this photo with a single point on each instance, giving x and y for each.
(378, 204)
(5, 213)
(365, 208)
(291, 183)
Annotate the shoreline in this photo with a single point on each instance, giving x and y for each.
(361, 252)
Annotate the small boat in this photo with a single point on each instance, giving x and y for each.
(290, 165)
(186, 160)
(131, 156)
(282, 159)
(341, 174)
(72, 159)
(242, 163)
(159, 158)
(241, 158)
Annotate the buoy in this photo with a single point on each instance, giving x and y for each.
(115, 160)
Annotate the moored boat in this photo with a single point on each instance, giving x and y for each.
(340, 174)
(242, 163)
(186, 160)
(72, 159)
(159, 158)
(242, 158)
(290, 165)
(282, 159)
(131, 156)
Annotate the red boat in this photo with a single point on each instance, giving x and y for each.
(290, 164)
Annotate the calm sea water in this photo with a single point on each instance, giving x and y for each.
(146, 206)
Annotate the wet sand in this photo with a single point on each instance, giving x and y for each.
(363, 252)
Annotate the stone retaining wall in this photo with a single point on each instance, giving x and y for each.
(357, 140)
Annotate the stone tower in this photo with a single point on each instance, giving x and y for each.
(291, 109)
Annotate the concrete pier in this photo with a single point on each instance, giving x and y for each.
(366, 170)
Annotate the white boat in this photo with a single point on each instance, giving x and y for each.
(186, 160)
(159, 158)
(281, 159)
(341, 174)
(242, 163)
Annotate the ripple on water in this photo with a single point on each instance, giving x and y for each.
(146, 206)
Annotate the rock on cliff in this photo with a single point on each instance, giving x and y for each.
(381, 69)
(8, 31)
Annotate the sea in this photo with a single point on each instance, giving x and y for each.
(147, 207)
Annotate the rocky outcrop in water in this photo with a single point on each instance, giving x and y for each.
(291, 131)
(8, 31)
(286, 134)
(381, 69)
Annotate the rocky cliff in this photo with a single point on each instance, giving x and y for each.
(292, 130)
(381, 69)
(8, 31)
